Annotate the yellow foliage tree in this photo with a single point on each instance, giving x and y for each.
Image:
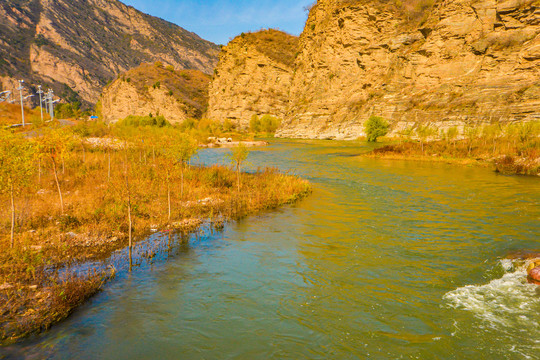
(16, 155)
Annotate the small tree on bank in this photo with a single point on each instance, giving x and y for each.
(52, 147)
(178, 151)
(424, 132)
(375, 127)
(238, 155)
(16, 165)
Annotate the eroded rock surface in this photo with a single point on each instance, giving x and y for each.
(253, 77)
(467, 62)
(157, 90)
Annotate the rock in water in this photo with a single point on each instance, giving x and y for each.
(534, 274)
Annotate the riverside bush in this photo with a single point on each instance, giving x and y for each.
(375, 127)
(266, 124)
(149, 120)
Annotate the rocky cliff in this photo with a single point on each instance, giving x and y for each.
(77, 46)
(157, 90)
(450, 63)
(253, 77)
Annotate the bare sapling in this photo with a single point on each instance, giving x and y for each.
(238, 155)
(52, 147)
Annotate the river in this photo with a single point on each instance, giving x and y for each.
(385, 260)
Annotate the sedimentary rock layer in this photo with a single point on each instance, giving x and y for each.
(253, 77)
(456, 63)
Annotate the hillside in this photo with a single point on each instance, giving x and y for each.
(157, 90)
(448, 63)
(253, 77)
(77, 46)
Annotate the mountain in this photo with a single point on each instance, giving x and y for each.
(253, 77)
(78, 46)
(448, 63)
(157, 90)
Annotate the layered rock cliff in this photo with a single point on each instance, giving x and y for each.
(253, 77)
(77, 46)
(157, 90)
(464, 62)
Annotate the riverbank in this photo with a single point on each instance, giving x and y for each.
(97, 188)
(519, 159)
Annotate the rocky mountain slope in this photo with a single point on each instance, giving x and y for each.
(157, 90)
(77, 46)
(452, 63)
(253, 77)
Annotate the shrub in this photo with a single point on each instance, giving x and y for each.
(136, 121)
(375, 126)
(255, 124)
(69, 110)
(228, 125)
(269, 124)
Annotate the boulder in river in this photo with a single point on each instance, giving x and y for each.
(533, 271)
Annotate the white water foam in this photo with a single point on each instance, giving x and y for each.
(509, 302)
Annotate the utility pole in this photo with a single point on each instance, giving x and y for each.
(20, 88)
(51, 103)
(40, 103)
(45, 98)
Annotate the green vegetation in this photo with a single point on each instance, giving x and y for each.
(15, 170)
(266, 124)
(149, 120)
(376, 126)
(77, 198)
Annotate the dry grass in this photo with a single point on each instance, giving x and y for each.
(95, 223)
(189, 87)
(505, 155)
(275, 44)
(11, 114)
(30, 309)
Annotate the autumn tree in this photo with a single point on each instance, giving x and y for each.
(424, 132)
(178, 149)
(16, 165)
(52, 147)
(237, 156)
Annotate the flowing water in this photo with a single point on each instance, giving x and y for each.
(385, 260)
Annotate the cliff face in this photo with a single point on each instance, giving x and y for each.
(77, 46)
(467, 62)
(151, 89)
(253, 77)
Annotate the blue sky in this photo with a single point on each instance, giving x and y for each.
(221, 20)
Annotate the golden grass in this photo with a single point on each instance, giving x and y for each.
(95, 223)
(502, 154)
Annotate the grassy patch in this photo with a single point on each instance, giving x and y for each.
(129, 182)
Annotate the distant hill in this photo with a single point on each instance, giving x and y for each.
(253, 77)
(78, 46)
(158, 90)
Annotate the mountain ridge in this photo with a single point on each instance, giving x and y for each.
(78, 46)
